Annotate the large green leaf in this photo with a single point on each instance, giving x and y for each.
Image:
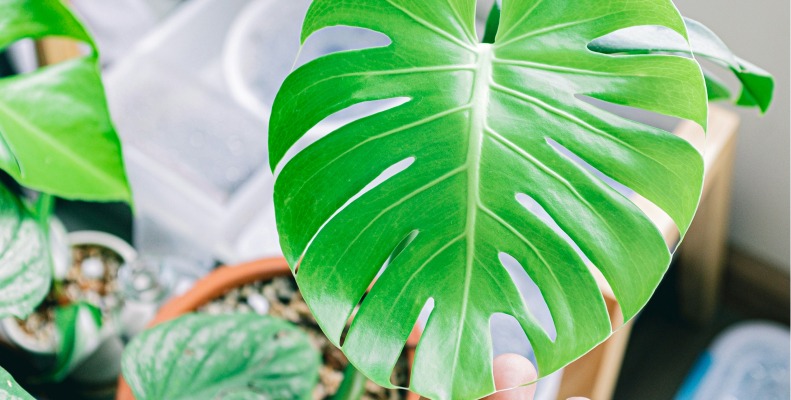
(25, 272)
(757, 85)
(237, 356)
(485, 125)
(55, 130)
(10, 390)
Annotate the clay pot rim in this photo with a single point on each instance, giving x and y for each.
(221, 281)
(217, 283)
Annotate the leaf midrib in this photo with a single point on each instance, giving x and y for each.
(479, 112)
(97, 173)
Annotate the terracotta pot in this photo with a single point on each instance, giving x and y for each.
(221, 281)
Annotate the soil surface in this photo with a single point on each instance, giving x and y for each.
(280, 297)
(92, 279)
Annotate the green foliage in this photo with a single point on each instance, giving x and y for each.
(237, 356)
(78, 327)
(25, 272)
(492, 23)
(757, 85)
(56, 135)
(353, 385)
(482, 128)
(10, 390)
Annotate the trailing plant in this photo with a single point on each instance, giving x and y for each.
(239, 356)
(486, 130)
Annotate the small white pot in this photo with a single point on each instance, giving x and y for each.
(106, 340)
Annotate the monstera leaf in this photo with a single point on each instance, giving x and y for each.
(236, 356)
(25, 271)
(486, 130)
(10, 390)
(757, 85)
(55, 130)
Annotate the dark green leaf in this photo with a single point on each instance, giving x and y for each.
(25, 271)
(715, 88)
(78, 327)
(55, 130)
(10, 390)
(43, 209)
(240, 356)
(353, 385)
(492, 23)
(757, 84)
(481, 125)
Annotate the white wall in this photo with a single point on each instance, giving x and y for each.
(758, 31)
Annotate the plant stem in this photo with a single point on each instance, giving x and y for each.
(353, 386)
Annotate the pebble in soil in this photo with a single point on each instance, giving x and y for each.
(280, 297)
(91, 278)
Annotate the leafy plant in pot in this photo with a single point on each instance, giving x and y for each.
(57, 140)
(261, 287)
(80, 312)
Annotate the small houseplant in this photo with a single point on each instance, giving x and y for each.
(284, 365)
(486, 127)
(57, 139)
(211, 295)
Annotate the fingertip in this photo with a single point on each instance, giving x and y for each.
(513, 370)
(510, 371)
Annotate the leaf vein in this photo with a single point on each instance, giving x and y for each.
(432, 27)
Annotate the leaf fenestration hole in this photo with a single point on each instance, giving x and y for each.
(503, 331)
(419, 325)
(657, 215)
(536, 209)
(657, 120)
(634, 38)
(508, 337)
(400, 247)
(335, 121)
(340, 38)
(388, 173)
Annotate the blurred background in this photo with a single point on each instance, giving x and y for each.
(190, 84)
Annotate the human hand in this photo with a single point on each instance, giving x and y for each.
(511, 370)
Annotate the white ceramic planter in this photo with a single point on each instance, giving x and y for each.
(95, 366)
(100, 362)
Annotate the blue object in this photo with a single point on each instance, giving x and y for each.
(749, 361)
